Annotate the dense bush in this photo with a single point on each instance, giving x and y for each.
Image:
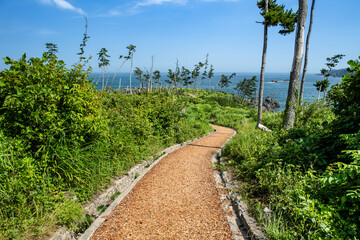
(42, 101)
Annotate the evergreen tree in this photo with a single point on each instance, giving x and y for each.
(52, 49)
(274, 15)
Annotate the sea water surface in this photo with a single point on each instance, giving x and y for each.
(275, 86)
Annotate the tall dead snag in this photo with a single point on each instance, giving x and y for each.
(293, 92)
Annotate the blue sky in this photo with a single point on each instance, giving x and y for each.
(174, 29)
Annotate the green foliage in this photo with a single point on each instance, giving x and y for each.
(307, 176)
(246, 88)
(52, 48)
(225, 80)
(83, 44)
(323, 85)
(345, 100)
(116, 194)
(139, 75)
(277, 15)
(42, 101)
(61, 141)
(103, 58)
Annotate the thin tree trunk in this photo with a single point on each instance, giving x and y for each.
(293, 93)
(151, 72)
(262, 72)
(132, 64)
(320, 88)
(306, 53)
(117, 72)
(102, 76)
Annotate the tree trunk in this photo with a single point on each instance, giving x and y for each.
(112, 81)
(132, 64)
(320, 88)
(306, 53)
(293, 92)
(263, 63)
(151, 73)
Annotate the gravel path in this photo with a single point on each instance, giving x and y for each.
(176, 199)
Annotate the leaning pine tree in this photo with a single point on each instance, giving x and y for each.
(274, 15)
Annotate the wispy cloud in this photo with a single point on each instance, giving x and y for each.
(63, 5)
(220, 0)
(46, 32)
(160, 2)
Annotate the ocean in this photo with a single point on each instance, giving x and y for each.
(276, 84)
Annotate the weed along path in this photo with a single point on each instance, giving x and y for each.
(176, 199)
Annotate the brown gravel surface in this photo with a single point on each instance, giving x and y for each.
(176, 199)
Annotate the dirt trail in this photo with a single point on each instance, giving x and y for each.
(177, 199)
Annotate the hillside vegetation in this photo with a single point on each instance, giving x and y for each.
(308, 176)
(62, 141)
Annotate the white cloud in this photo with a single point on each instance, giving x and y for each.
(160, 2)
(45, 1)
(220, 0)
(63, 5)
(114, 12)
(46, 32)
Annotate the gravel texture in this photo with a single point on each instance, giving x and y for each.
(176, 199)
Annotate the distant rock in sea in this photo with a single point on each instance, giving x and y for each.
(286, 80)
(274, 81)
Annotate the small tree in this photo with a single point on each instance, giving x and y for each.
(196, 72)
(185, 76)
(210, 74)
(131, 49)
(83, 44)
(225, 80)
(103, 62)
(324, 84)
(139, 75)
(205, 73)
(52, 49)
(246, 88)
(174, 77)
(156, 77)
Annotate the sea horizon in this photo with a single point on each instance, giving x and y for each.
(276, 84)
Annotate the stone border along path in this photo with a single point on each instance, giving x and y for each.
(177, 199)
